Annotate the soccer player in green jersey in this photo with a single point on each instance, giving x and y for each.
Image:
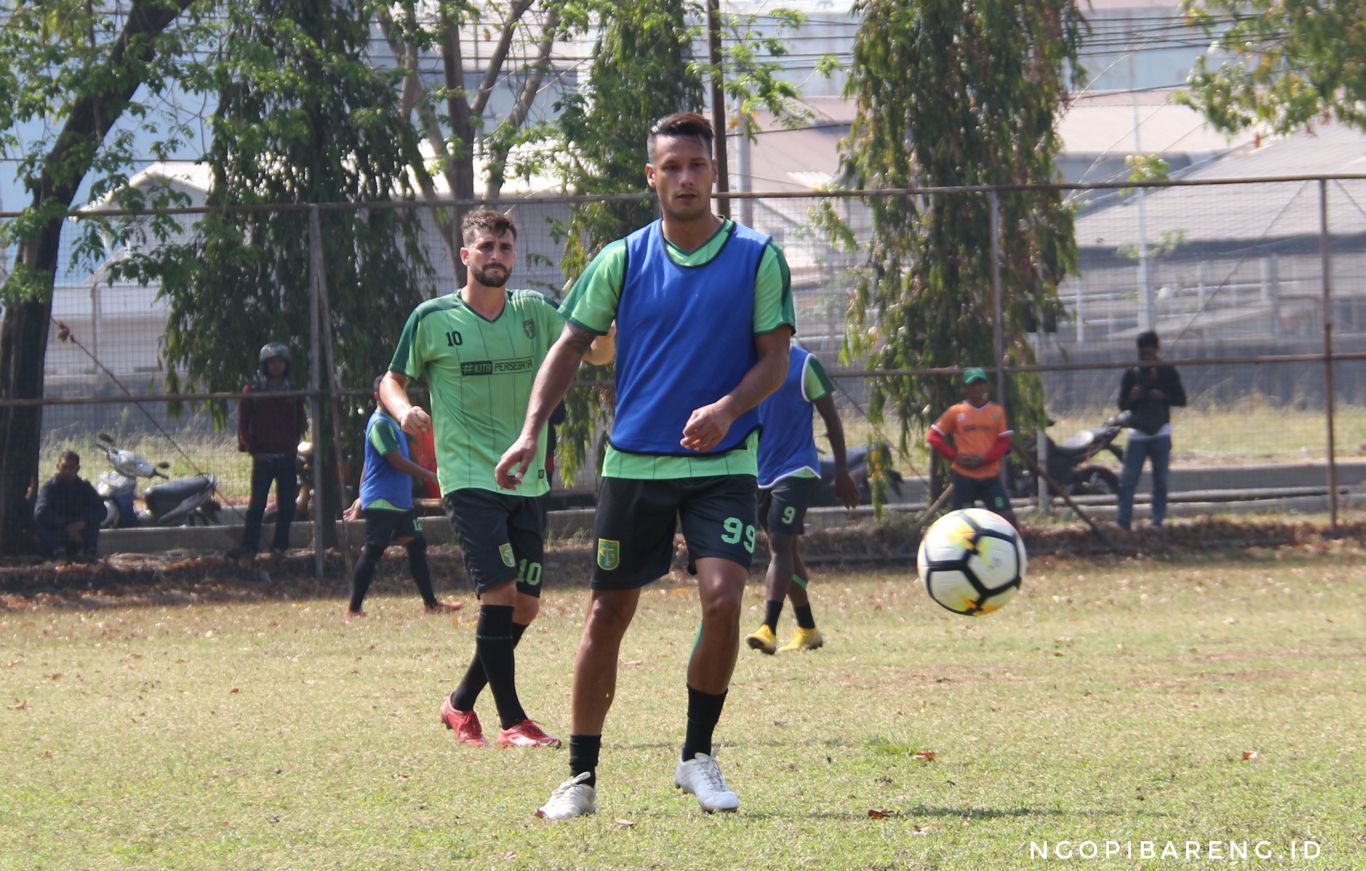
(703, 312)
(478, 350)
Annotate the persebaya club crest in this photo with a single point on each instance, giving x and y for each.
(609, 554)
(529, 327)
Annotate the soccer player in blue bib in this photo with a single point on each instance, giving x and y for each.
(703, 310)
(386, 503)
(789, 470)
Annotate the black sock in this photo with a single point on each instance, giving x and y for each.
(704, 710)
(493, 642)
(771, 611)
(422, 575)
(804, 618)
(365, 570)
(474, 681)
(583, 756)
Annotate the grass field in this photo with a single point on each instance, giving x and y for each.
(1126, 706)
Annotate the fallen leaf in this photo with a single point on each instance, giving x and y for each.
(882, 815)
(236, 690)
(21, 706)
(923, 756)
(56, 675)
(625, 824)
(1249, 755)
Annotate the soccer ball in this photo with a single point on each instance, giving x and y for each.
(971, 561)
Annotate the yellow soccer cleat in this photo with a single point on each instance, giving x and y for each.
(763, 639)
(803, 639)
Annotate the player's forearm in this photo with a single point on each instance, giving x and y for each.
(552, 382)
(764, 377)
(834, 430)
(393, 392)
(941, 445)
(404, 465)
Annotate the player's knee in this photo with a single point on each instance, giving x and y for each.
(372, 553)
(722, 603)
(525, 609)
(781, 542)
(607, 619)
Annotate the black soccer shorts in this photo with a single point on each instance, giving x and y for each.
(502, 537)
(636, 520)
(782, 507)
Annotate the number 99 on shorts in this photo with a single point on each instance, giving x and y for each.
(733, 530)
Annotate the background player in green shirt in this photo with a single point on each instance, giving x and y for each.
(703, 312)
(478, 350)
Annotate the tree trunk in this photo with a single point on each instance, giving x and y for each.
(23, 331)
(23, 348)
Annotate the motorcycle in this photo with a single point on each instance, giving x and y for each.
(1067, 462)
(824, 492)
(182, 502)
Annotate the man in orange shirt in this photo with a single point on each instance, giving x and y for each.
(973, 435)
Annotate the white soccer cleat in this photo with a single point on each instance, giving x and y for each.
(701, 777)
(573, 798)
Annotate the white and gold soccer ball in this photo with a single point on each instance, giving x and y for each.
(971, 561)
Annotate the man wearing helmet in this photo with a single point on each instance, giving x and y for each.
(269, 428)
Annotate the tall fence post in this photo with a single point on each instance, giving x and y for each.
(315, 411)
(998, 341)
(1325, 268)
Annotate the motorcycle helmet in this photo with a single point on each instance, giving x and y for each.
(272, 350)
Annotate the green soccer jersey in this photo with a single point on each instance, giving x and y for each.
(592, 304)
(479, 373)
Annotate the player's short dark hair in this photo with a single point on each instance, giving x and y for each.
(69, 455)
(496, 223)
(378, 379)
(1147, 339)
(680, 125)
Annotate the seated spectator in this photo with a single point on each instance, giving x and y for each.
(68, 513)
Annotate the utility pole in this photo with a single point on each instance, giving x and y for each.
(718, 106)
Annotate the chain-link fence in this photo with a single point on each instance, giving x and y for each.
(1257, 289)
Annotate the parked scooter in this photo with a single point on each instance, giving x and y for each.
(824, 492)
(1068, 461)
(182, 502)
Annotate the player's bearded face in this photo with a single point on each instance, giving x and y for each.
(490, 258)
(492, 276)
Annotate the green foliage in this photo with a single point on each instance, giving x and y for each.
(1280, 65)
(69, 56)
(952, 93)
(1167, 242)
(604, 126)
(320, 129)
(606, 121)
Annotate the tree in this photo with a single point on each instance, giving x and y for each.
(603, 126)
(951, 93)
(80, 64)
(451, 118)
(606, 121)
(1278, 64)
(323, 129)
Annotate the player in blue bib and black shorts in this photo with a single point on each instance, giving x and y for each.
(386, 503)
(789, 471)
(703, 312)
